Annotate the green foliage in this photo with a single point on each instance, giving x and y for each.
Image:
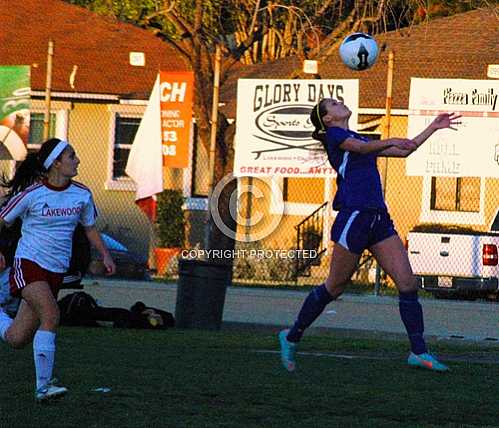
(148, 13)
(170, 219)
(256, 264)
(312, 237)
(289, 26)
(133, 11)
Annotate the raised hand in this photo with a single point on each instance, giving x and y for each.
(446, 120)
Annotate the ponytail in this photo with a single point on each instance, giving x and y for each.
(316, 115)
(319, 135)
(29, 171)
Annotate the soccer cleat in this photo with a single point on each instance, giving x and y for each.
(49, 391)
(426, 361)
(287, 351)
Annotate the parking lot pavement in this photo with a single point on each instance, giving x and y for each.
(443, 318)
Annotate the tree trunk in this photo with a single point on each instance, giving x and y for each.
(219, 239)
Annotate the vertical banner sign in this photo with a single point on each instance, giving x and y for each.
(273, 127)
(470, 151)
(176, 90)
(14, 110)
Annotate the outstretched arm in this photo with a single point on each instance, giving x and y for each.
(396, 147)
(376, 146)
(442, 121)
(95, 239)
(400, 151)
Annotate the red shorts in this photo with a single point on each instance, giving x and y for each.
(25, 272)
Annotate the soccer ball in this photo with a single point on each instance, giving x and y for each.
(359, 51)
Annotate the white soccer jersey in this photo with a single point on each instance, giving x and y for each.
(50, 215)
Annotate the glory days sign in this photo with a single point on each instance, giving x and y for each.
(273, 128)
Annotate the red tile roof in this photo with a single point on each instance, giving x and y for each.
(99, 46)
(459, 46)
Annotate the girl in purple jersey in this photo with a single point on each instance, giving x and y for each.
(50, 204)
(363, 223)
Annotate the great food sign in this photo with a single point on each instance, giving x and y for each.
(273, 128)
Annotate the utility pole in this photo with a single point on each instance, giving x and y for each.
(386, 134)
(48, 87)
(213, 139)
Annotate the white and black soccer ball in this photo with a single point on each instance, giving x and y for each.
(359, 51)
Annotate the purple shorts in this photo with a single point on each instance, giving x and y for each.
(359, 230)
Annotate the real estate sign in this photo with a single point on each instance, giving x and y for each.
(470, 151)
(176, 90)
(273, 128)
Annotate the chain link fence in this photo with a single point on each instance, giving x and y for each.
(102, 129)
(460, 197)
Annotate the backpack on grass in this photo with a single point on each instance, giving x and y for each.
(81, 309)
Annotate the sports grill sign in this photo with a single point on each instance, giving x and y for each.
(273, 127)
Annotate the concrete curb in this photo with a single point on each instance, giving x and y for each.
(445, 319)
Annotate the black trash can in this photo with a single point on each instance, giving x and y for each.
(201, 293)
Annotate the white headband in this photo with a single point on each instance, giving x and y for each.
(61, 145)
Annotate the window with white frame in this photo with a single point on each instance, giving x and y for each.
(301, 196)
(124, 133)
(455, 194)
(36, 132)
(36, 129)
(58, 123)
(124, 123)
(458, 200)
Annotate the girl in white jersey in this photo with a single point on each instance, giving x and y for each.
(50, 204)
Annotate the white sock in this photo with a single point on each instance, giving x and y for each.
(5, 323)
(44, 355)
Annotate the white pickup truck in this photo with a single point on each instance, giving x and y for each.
(456, 262)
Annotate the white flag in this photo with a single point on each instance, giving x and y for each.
(145, 162)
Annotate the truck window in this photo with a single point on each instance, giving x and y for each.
(495, 223)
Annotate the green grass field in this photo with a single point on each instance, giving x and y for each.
(181, 378)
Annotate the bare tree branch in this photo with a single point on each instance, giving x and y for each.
(322, 10)
(186, 53)
(255, 15)
(334, 35)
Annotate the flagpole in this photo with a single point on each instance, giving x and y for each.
(213, 139)
(386, 134)
(48, 87)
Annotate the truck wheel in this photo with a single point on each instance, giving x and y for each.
(492, 297)
(442, 295)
